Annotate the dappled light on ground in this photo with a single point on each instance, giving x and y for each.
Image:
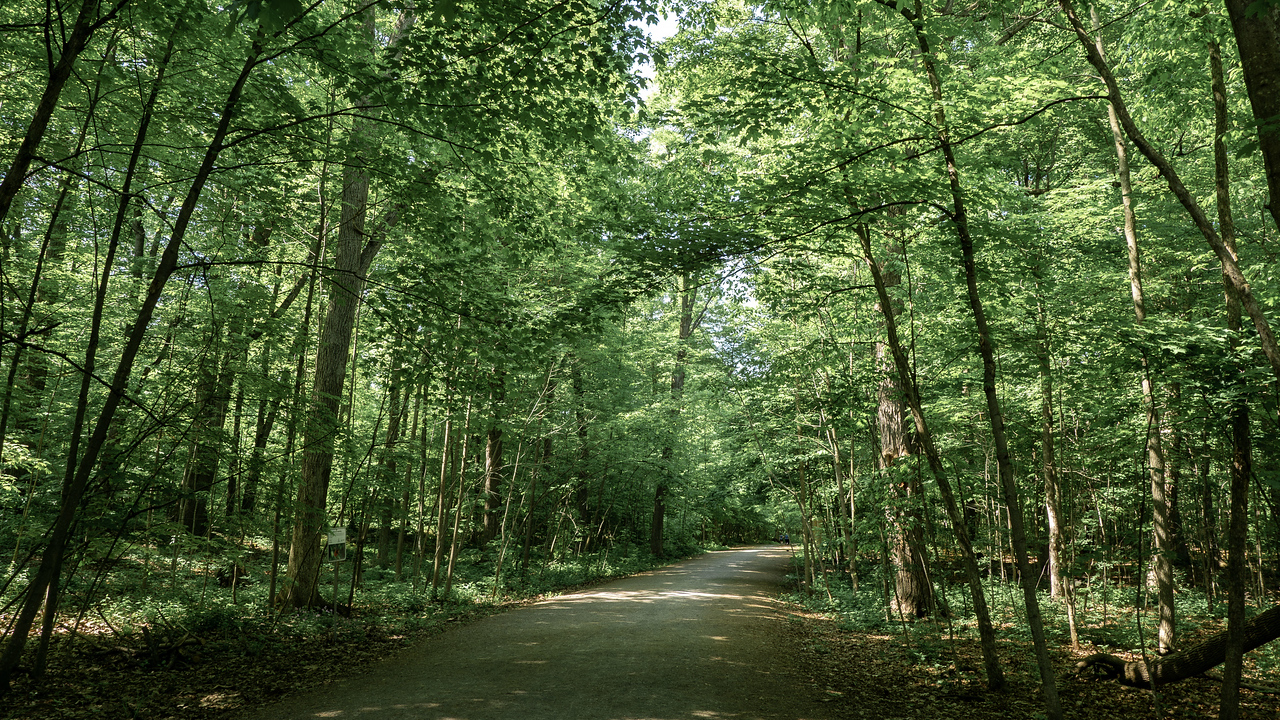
(696, 640)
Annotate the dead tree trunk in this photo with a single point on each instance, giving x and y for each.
(1191, 662)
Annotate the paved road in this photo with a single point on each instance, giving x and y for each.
(691, 641)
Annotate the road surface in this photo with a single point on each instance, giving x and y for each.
(696, 640)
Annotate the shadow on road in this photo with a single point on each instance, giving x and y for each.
(693, 641)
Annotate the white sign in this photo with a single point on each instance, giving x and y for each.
(337, 536)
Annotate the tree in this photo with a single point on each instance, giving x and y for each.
(1257, 32)
(1155, 451)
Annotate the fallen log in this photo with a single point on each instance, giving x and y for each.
(1193, 661)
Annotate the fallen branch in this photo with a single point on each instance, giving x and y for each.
(1196, 660)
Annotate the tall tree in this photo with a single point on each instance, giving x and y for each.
(1241, 442)
(357, 244)
(42, 588)
(1163, 560)
(1238, 281)
(986, 350)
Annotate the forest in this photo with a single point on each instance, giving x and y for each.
(317, 310)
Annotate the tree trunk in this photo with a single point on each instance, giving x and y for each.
(843, 509)
(1052, 484)
(81, 466)
(268, 410)
(659, 514)
(1059, 587)
(442, 494)
(216, 375)
(1258, 39)
(986, 631)
(1163, 567)
(493, 462)
(357, 246)
(1190, 662)
(582, 490)
(687, 294)
(906, 537)
(461, 503)
(390, 474)
(1241, 443)
(1048, 681)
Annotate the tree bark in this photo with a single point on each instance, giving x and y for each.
(913, 591)
(460, 504)
(1163, 567)
(687, 294)
(986, 631)
(493, 462)
(268, 410)
(357, 246)
(1241, 442)
(1053, 491)
(1048, 681)
(390, 475)
(1258, 39)
(442, 494)
(843, 509)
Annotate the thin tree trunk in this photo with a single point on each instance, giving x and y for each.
(687, 295)
(502, 529)
(460, 505)
(406, 496)
(845, 521)
(442, 494)
(1241, 443)
(79, 469)
(1163, 567)
(45, 290)
(493, 461)
(1048, 681)
(533, 494)
(390, 468)
(1059, 586)
(86, 23)
(268, 411)
(420, 546)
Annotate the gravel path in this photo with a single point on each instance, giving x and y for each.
(699, 639)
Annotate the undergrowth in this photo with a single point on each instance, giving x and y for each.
(1113, 619)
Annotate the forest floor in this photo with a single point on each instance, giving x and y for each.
(844, 674)
(880, 677)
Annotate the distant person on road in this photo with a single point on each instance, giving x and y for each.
(786, 538)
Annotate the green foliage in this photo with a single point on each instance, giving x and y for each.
(538, 234)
